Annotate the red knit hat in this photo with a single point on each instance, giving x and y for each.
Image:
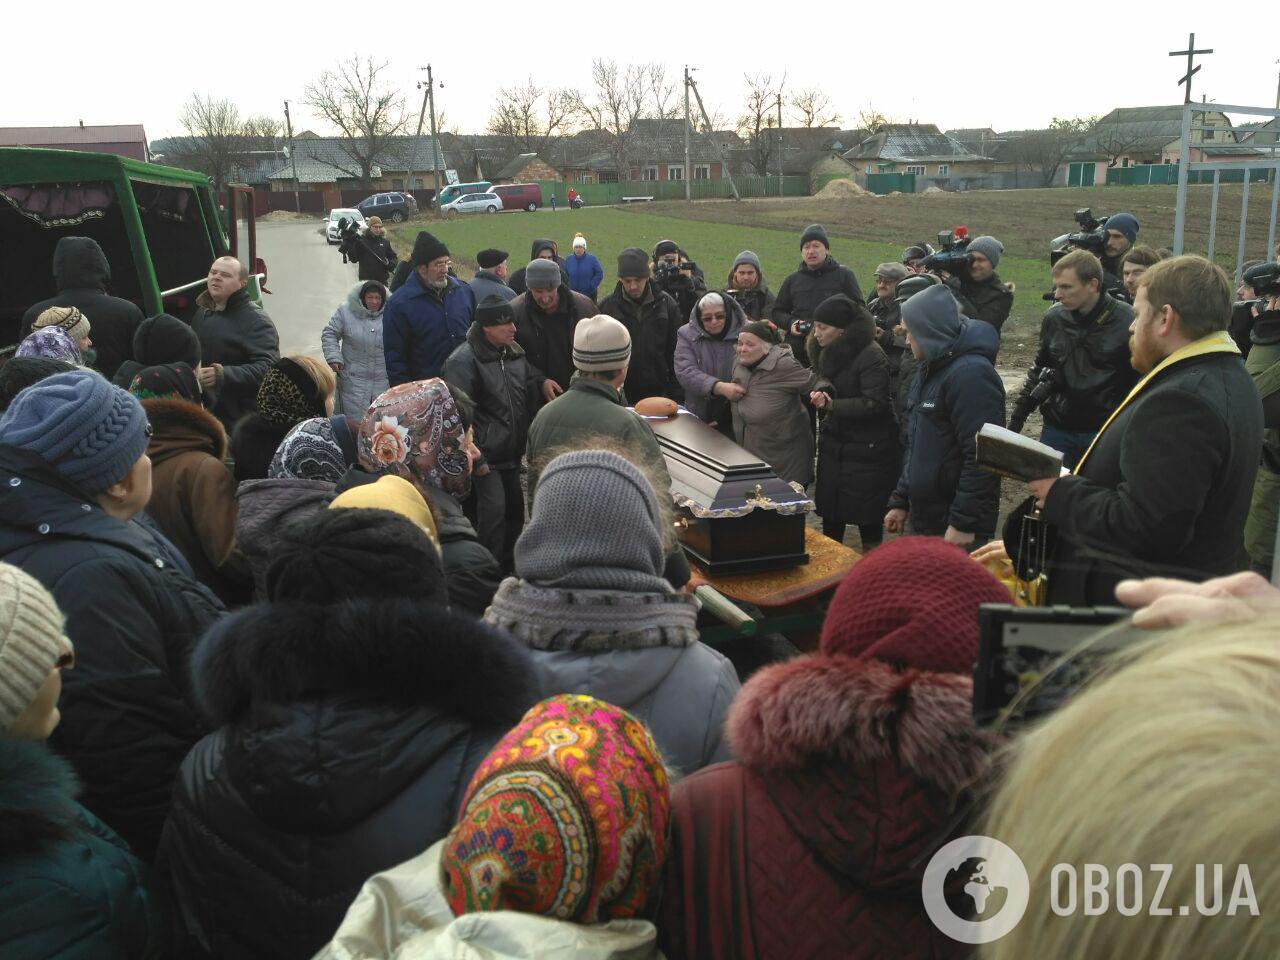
(912, 602)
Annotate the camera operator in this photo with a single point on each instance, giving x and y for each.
(1081, 371)
(980, 284)
(371, 249)
(1122, 234)
(1245, 310)
(913, 257)
(1262, 280)
(674, 273)
(818, 277)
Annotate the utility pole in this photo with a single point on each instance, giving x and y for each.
(724, 167)
(779, 141)
(293, 161)
(429, 102)
(688, 137)
(413, 152)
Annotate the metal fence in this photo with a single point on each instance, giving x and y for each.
(1266, 163)
(1167, 173)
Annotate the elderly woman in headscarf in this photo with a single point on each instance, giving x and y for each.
(557, 851)
(422, 431)
(770, 418)
(352, 343)
(52, 343)
(704, 359)
(295, 389)
(74, 323)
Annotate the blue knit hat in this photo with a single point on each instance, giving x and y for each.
(90, 432)
(1125, 223)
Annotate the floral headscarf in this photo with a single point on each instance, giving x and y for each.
(566, 817)
(53, 343)
(414, 431)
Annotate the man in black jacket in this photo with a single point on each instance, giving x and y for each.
(980, 284)
(371, 249)
(81, 272)
(493, 370)
(238, 342)
(652, 318)
(545, 315)
(542, 248)
(1164, 490)
(1083, 355)
(818, 277)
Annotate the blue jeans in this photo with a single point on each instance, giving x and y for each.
(1072, 443)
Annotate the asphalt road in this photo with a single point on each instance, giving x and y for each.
(307, 280)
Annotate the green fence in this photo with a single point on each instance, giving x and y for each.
(602, 194)
(1167, 173)
(883, 183)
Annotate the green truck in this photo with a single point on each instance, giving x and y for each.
(160, 228)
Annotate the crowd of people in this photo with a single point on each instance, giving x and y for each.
(396, 653)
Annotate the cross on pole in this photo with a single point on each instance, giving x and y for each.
(1190, 54)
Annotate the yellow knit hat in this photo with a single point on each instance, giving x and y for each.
(390, 493)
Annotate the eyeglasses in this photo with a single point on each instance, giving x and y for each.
(713, 316)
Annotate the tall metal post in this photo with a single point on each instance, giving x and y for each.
(293, 162)
(435, 160)
(780, 142)
(413, 152)
(688, 137)
(1184, 170)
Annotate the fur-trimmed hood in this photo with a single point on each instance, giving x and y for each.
(828, 362)
(326, 711)
(37, 797)
(180, 426)
(866, 764)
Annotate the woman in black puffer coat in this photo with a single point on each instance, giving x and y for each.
(859, 457)
(350, 713)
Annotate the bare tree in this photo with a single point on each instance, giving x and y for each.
(1043, 152)
(368, 114)
(756, 125)
(616, 102)
(531, 117)
(813, 106)
(1115, 140)
(871, 118)
(217, 136)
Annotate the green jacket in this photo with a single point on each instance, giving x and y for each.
(590, 408)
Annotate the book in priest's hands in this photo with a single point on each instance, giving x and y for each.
(1012, 455)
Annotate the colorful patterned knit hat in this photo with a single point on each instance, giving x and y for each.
(53, 343)
(309, 451)
(166, 381)
(414, 431)
(289, 395)
(566, 817)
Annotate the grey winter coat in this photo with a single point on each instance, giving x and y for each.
(353, 338)
(772, 420)
(486, 282)
(702, 360)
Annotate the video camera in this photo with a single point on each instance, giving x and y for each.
(952, 255)
(669, 273)
(1091, 236)
(1045, 384)
(1264, 280)
(1029, 657)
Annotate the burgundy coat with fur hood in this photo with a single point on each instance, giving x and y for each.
(193, 495)
(851, 776)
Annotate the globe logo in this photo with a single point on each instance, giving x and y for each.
(975, 889)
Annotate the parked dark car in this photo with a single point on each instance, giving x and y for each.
(519, 196)
(396, 207)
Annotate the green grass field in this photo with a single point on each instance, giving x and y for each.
(712, 245)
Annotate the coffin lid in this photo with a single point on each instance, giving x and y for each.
(713, 477)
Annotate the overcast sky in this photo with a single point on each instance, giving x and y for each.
(1004, 65)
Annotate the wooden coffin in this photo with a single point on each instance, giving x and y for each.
(736, 515)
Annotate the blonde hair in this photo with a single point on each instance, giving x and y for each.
(322, 374)
(1172, 759)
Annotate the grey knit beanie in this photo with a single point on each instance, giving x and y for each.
(989, 247)
(32, 641)
(749, 258)
(542, 275)
(594, 526)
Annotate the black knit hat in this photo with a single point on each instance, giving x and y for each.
(165, 339)
(334, 555)
(493, 311)
(21, 372)
(168, 381)
(815, 231)
(425, 249)
(633, 262)
(838, 311)
(664, 247)
(488, 259)
(766, 330)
